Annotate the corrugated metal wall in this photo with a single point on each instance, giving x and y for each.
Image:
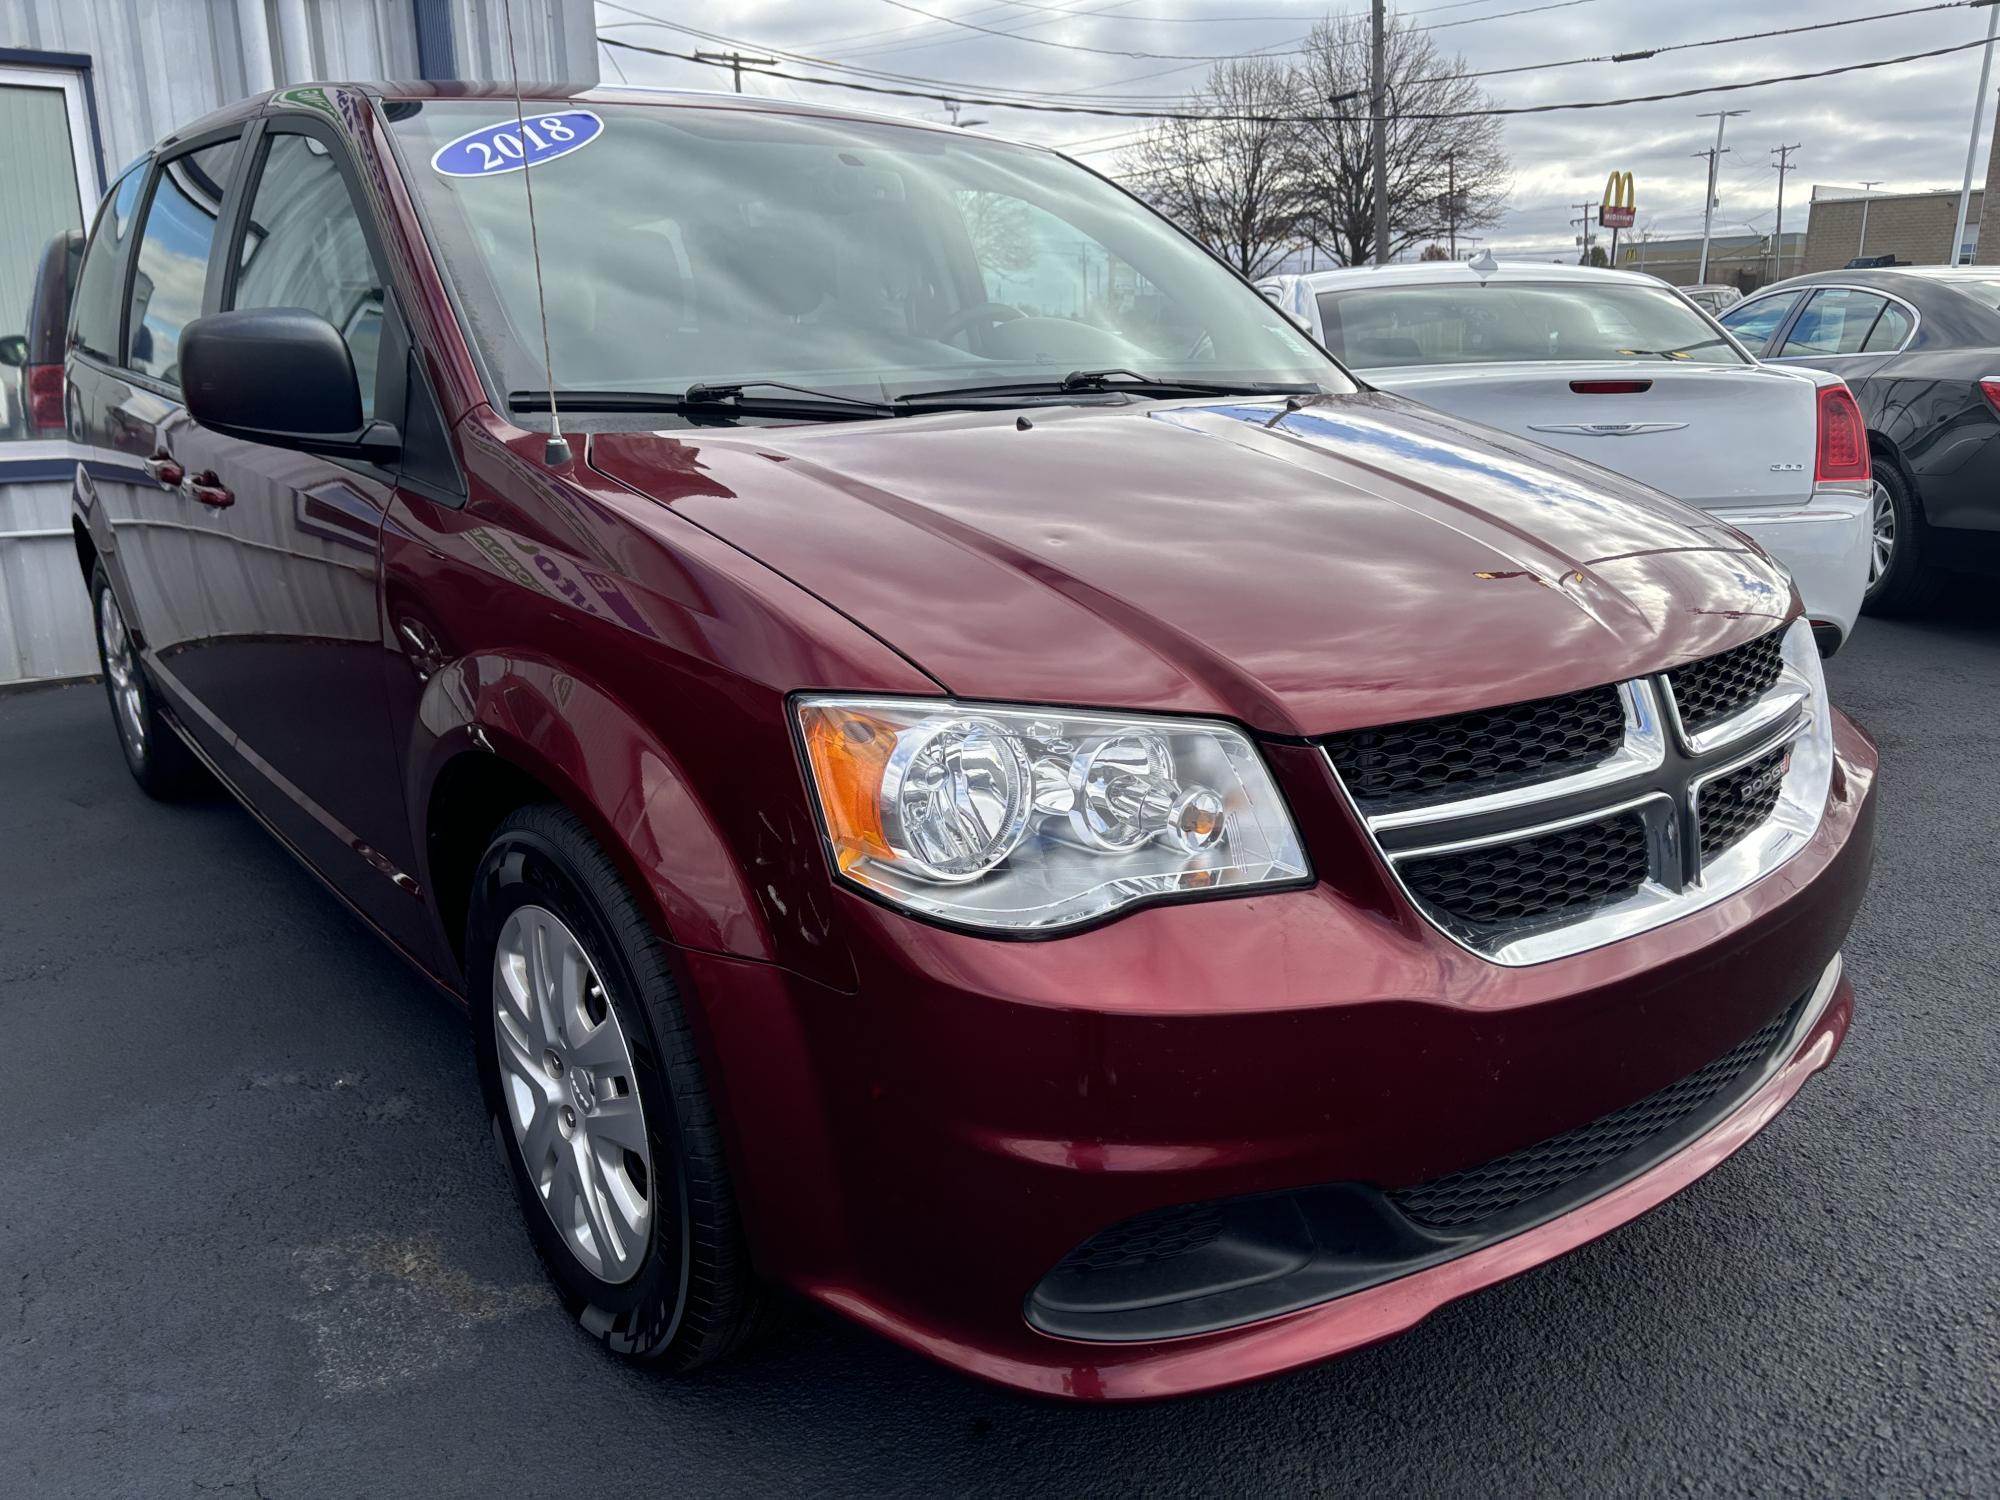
(156, 65)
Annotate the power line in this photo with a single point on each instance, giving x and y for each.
(808, 59)
(1189, 58)
(988, 102)
(1642, 54)
(967, 90)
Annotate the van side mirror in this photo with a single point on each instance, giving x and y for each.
(14, 350)
(281, 376)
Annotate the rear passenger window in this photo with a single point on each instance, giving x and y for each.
(1889, 331)
(1836, 321)
(98, 303)
(173, 257)
(304, 247)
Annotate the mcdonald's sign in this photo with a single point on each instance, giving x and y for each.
(1616, 210)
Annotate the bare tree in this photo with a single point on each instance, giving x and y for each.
(1446, 176)
(1228, 181)
(1002, 236)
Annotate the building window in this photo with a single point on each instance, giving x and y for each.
(47, 194)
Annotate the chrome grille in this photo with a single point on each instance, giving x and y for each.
(1708, 691)
(1407, 764)
(1735, 802)
(1718, 774)
(1500, 886)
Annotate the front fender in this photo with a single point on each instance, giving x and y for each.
(604, 764)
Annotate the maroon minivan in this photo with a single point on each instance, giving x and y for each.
(980, 777)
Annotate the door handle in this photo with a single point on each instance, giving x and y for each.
(208, 489)
(161, 466)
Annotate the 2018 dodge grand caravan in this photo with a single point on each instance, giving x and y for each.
(983, 779)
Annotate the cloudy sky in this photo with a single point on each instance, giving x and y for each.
(1905, 125)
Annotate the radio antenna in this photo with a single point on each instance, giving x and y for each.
(557, 451)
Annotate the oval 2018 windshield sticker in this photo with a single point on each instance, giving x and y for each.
(509, 145)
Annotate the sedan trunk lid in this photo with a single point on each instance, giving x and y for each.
(1719, 436)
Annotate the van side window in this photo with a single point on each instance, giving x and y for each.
(98, 305)
(304, 247)
(173, 257)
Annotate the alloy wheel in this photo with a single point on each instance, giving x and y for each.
(571, 1095)
(121, 667)
(1882, 533)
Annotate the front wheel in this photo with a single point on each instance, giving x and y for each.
(598, 1100)
(163, 766)
(1901, 576)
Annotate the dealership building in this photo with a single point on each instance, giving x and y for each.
(88, 85)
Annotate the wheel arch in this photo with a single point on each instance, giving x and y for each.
(1881, 448)
(532, 732)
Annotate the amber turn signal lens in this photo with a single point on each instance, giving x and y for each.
(848, 751)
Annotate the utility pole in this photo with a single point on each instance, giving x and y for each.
(736, 62)
(1972, 145)
(1867, 190)
(1782, 165)
(1583, 239)
(1451, 195)
(1378, 85)
(1721, 117)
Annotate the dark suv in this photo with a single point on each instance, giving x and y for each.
(982, 777)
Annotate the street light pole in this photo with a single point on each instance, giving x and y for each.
(1722, 118)
(1861, 246)
(1972, 145)
(1378, 88)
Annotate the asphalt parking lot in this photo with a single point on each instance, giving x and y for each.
(255, 1236)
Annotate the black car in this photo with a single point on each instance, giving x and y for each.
(1920, 348)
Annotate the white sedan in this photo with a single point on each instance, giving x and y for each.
(1619, 369)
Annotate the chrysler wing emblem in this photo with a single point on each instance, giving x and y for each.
(1606, 429)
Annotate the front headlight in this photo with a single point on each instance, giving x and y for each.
(1026, 819)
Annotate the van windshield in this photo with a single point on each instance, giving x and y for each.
(689, 244)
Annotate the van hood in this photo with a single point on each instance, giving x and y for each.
(1360, 560)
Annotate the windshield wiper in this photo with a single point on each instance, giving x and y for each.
(720, 396)
(1107, 381)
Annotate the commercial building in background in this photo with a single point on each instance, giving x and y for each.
(1744, 261)
(1913, 227)
(86, 86)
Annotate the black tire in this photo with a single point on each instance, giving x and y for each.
(155, 754)
(1912, 581)
(693, 1298)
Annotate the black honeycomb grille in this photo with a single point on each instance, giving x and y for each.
(1709, 691)
(1157, 1236)
(1733, 805)
(1510, 1182)
(1501, 886)
(1472, 753)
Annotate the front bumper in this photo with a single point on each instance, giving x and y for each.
(921, 1153)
